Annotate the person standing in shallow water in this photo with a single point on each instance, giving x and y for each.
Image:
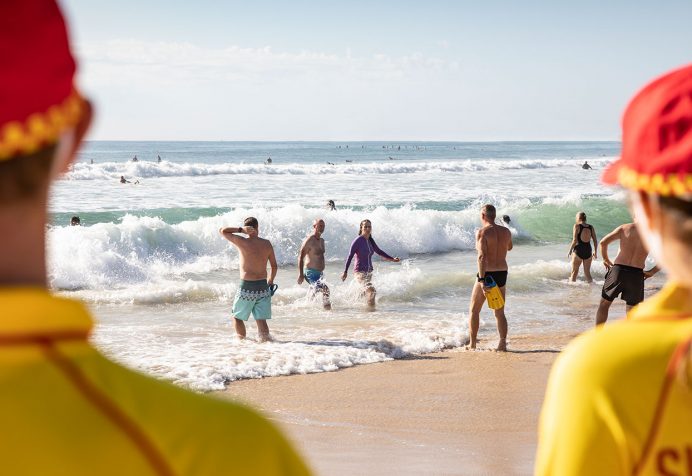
(492, 243)
(626, 277)
(580, 249)
(311, 263)
(254, 291)
(363, 247)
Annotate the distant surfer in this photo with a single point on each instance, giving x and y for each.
(331, 205)
(122, 180)
(75, 221)
(268, 161)
(158, 159)
(506, 219)
(492, 243)
(363, 247)
(586, 166)
(311, 263)
(135, 159)
(254, 294)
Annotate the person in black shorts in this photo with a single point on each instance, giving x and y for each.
(626, 282)
(625, 277)
(580, 249)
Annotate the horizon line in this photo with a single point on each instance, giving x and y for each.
(337, 141)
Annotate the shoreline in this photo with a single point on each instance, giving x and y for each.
(450, 412)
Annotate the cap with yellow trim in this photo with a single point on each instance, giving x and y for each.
(657, 138)
(38, 99)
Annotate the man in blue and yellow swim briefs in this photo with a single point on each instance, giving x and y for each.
(311, 262)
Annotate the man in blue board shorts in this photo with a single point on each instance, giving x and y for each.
(311, 262)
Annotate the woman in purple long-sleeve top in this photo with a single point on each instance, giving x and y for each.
(363, 247)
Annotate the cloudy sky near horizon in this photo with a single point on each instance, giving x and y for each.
(359, 70)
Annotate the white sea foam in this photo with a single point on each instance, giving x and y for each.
(113, 170)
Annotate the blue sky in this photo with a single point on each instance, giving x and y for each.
(357, 70)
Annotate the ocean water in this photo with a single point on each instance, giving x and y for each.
(160, 280)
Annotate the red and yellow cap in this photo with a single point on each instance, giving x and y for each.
(38, 100)
(657, 138)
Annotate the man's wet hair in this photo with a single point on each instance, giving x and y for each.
(251, 221)
(489, 211)
(581, 216)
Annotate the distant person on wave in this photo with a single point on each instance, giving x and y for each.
(311, 263)
(158, 159)
(254, 293)
(492, 243)
(123, 180)
(268, 161)
(626, 277)
(580, 249)
(363, 247)
(135, 159)
(331, 205)
(506, 219)
(75, 221)
(586, 166)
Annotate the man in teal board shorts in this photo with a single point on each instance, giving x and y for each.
(254, 291)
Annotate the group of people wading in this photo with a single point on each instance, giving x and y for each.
(255, 289)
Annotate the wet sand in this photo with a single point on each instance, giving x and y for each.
(454, 412)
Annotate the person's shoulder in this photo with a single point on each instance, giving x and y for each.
(602, 356)
(206, 425)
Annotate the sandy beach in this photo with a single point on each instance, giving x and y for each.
(453, 412)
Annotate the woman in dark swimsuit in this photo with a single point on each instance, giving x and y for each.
(580, 248)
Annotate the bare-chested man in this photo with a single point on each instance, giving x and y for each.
(626, 277)
(311, 263)
(492, 242)
(254, 291)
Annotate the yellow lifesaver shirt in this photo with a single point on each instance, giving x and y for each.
(613, 405)
(66, 409)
